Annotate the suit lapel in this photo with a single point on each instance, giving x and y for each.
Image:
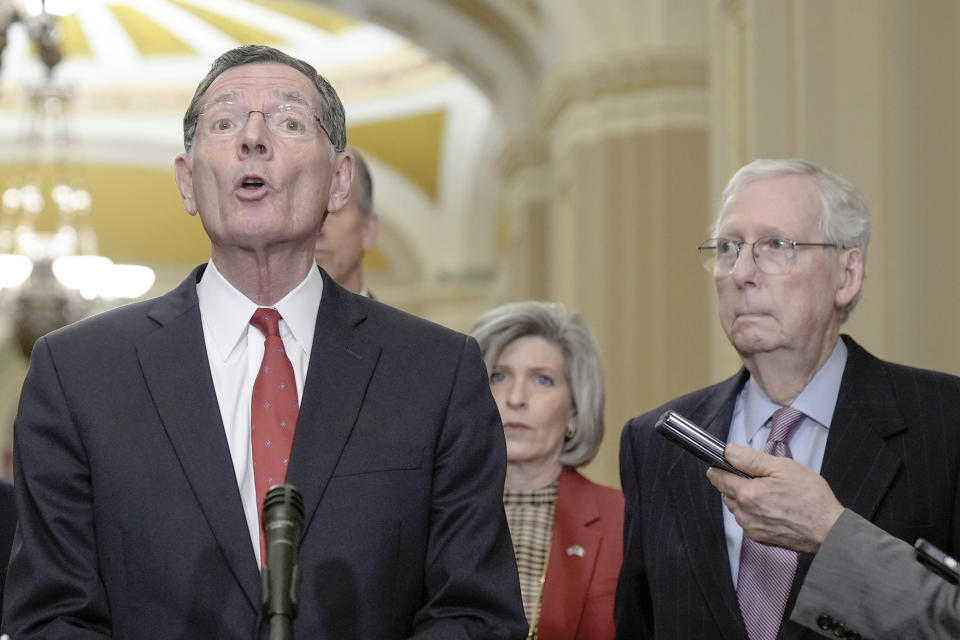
(187, 405)
(341, 364)
(574, 551)
(858, 463)
(699, 511)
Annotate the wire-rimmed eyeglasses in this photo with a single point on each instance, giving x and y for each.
(772, 254)
(225, 118)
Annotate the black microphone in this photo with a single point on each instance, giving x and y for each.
(280, 580)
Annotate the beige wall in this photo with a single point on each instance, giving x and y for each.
(868, 88)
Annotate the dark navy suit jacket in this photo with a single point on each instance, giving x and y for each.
(131, 520)
(892, 455)
(8, 524)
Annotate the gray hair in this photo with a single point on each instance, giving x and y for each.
(844, 215)
(582, 364)
(364, 181)
(331, 109)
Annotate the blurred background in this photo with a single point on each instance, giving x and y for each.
(549, 149)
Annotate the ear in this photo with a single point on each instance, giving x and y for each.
(853, 271)
(371, 228)
(571, 426)
(342, 179)
(183, 174)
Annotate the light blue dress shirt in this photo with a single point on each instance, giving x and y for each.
(751, 426)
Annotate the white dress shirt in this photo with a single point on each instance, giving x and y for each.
(751, 426)
(235, 350)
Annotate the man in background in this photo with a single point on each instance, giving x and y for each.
(787, 257)
(348, 234)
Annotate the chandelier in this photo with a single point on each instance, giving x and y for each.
(49, 278)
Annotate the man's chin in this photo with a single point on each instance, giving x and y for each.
(748, 343)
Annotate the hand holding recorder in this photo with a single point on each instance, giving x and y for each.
(785, 504)
(776, 500)
(705, 446)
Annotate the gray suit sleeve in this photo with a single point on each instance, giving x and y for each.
(865, 581)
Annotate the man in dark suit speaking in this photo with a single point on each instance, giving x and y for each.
(787, 257)
(147, 436)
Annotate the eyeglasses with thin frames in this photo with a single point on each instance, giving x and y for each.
(225, 119)
(773, 255)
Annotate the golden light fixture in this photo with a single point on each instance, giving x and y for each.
(48, 279)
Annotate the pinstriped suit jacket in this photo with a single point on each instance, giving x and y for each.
(893, 456)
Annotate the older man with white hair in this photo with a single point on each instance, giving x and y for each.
(788, 257)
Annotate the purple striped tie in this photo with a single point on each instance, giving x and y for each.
(766, 572)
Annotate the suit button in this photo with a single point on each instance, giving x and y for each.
(825, 622)
(839, 630)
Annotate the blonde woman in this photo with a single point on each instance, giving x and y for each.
(547, 378)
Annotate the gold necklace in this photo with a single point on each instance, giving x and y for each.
(531, 634)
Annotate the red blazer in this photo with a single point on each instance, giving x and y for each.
(585, 557)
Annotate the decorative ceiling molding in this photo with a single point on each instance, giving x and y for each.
(471, 67)
(150, 38)
(641, 70)
(243, 31)
(396, 21)
(502, 29)
(531, 9)
(313, 14)
(522, 153)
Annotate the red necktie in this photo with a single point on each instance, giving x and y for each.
(766, 572)
(273, 412)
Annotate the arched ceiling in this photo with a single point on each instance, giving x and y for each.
(131, 66)
(433, 89)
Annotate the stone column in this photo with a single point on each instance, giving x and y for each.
(622, 206)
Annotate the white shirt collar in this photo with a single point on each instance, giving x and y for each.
(227, 311)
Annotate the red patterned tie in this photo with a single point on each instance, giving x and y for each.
(766, 573)
(273, 412)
